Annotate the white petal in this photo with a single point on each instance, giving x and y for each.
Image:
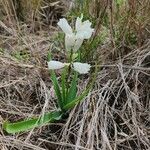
(63, 24)
(78, 24)
(82, 68)
(55, 64)
(86, 24)
(85, 33)
(77, 44)
(80, 35)
(69, 41)
(88, 33)
(84, 29)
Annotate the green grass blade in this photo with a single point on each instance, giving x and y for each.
(31, 123)
(49, 57)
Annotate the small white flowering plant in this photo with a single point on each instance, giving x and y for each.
(65, 89)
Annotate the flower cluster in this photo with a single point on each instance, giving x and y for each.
(73, 41)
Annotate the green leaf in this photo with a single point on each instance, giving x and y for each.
(55, 84)
(31, 123)
(63, 85)
(72, 90)
(57, 89)
(75, 101)
(78, 99)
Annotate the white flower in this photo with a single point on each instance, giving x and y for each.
(55, 64)
(82, 68)
(73, 40)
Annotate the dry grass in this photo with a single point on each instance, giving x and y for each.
(115, 115)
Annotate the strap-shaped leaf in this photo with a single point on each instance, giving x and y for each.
(57, 89)
(72, 92)
(78, 99)
(63, 85)
(55, 84)
(31, 123)
(75, 101)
